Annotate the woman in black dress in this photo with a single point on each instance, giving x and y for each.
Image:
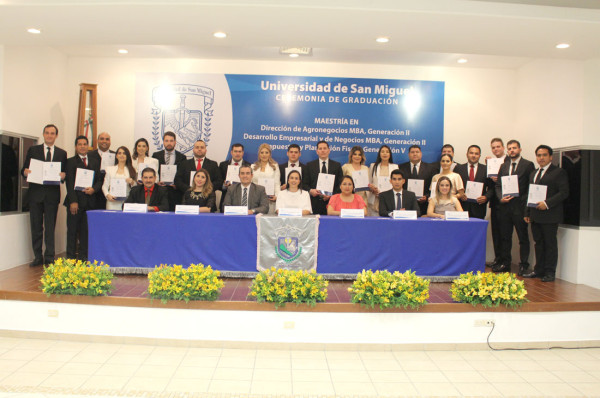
(201, 193)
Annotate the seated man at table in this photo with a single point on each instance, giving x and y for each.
(247, 193)
(397, 198)
(150, 192)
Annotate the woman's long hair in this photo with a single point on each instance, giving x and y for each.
(207, 188)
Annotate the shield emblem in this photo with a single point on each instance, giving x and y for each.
(288, 248)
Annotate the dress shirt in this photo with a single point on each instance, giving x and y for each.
(541, 172)
(511, 165)
(247, 192)
(148, 194)
(412, 166)
(51, 151)
(326, 165)
(396, 198)
(474, 169)
(172, 157)
(84, 159)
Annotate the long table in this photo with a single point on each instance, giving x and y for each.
(134, 241)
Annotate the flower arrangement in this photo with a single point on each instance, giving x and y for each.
(68, 276)
(388, 290)
(282, 286)
(173, 282)
(489, 289)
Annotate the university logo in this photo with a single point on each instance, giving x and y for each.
(185, 109)
(287, 248)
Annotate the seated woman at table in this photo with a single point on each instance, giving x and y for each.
(201, 193)
(122, 169)
(444, 200)
(345, 200)
(455, 179)
(294, 197)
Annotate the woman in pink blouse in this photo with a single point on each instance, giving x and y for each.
(345, 200)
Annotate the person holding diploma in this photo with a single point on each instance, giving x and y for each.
(473, 171)
(512, 209)
(266, 167)
(44, 199)
(199, 161)
(171, 157)
(397, 198)
(347, 199)
(123, 169)
(247, 193)
(416, 169)
(237, 159)
(150, 193)
(201, 193)
(356, 162)
(383, 166)
(446, 164)
(140, 155)
(444, 200)
(323, 165)
(293, 154)
(102, 151)
(80, 199)
(547, 214)
(497, 147)
(293, 196)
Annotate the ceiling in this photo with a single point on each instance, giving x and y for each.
(490, 34)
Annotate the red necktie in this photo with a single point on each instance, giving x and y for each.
(84, 162)
(472, 173)
(199, 166)
(236, 164)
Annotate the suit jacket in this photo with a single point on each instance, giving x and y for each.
(175, 195)
(100, 198)
(257, 198)
(282, 178)
(85, 201)
(426, 172)
(475, 209)
(182, 179)
(94, 153)
(494, 199)
(387, 203)
(524, 169)
(555, 178)
(313, 169)
(38, 192)
(158, 199)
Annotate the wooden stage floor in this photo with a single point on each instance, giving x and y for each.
(22, 283)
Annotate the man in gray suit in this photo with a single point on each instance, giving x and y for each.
(246, 193)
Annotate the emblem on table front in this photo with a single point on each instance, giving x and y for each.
(185, 109)
(287, 247)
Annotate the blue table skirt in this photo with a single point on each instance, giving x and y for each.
(228, 243)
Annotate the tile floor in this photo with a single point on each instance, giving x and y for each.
(51, 368)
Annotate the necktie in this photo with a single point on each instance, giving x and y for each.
(324, 168)
(245, 197)
(399, 202)
(539, 176)
(415, 171)
(472, 173)
(84, 161)
(514, 168)
(48, 155)
(148, 195)
(199, 166)
(168, 158)
(236, 164)
(293, 164)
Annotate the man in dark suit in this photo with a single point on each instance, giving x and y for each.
(199, 161)
(512, 209)
(237, 159)
(80, 199)
(293, 154)
(547, 214)
(103, 149)
(149, 192)
(497, 146)
(246, 193)
(475, 172)
(447, 149)
(44, 199)
(170, 157)
(416, 169)
(321, 165)
(397, 198)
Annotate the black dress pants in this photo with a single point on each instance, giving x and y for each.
(546, 248)
(77, 227)
(42, 219)
(511, 216)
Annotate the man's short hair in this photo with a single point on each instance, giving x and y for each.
(245, 167)
(323, 142)
(202, 141)
(473, 146)
(149, 170)
(448, 146)
(236, 145)
(497, 140)
(170, 134)
(414, 147)
(395, 172)
(292, 146)
(546, 147)
(50, 125)
(81, 137)
(513, 142)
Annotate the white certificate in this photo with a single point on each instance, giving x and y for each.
(510, 185)
(192, 177)
(233, 173)
(432, 189)
(352, 213)
(167, 173)
(457, 215)
(473, 190)
(404, 214)
(325, 183)
(416, 185)
(361, 180)
(51, 172)
(118, 188)
(135, 208)
(236, 210)
(187, 209)
(289, 169)
(383, 183)
(37, 172)
(108, 159)
(84, 178)
(537, 193)
(493, 166)
(269, 184)
(141, 167)
(290, 212)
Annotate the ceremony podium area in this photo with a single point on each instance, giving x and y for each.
(136, 242)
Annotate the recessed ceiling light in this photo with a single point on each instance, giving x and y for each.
(122, 51)
(382, 39)
(220, 35)
(294, 55)
(34, 31)
(462, 60)
(563, 45)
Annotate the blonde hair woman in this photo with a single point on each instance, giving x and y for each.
(266, 167)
